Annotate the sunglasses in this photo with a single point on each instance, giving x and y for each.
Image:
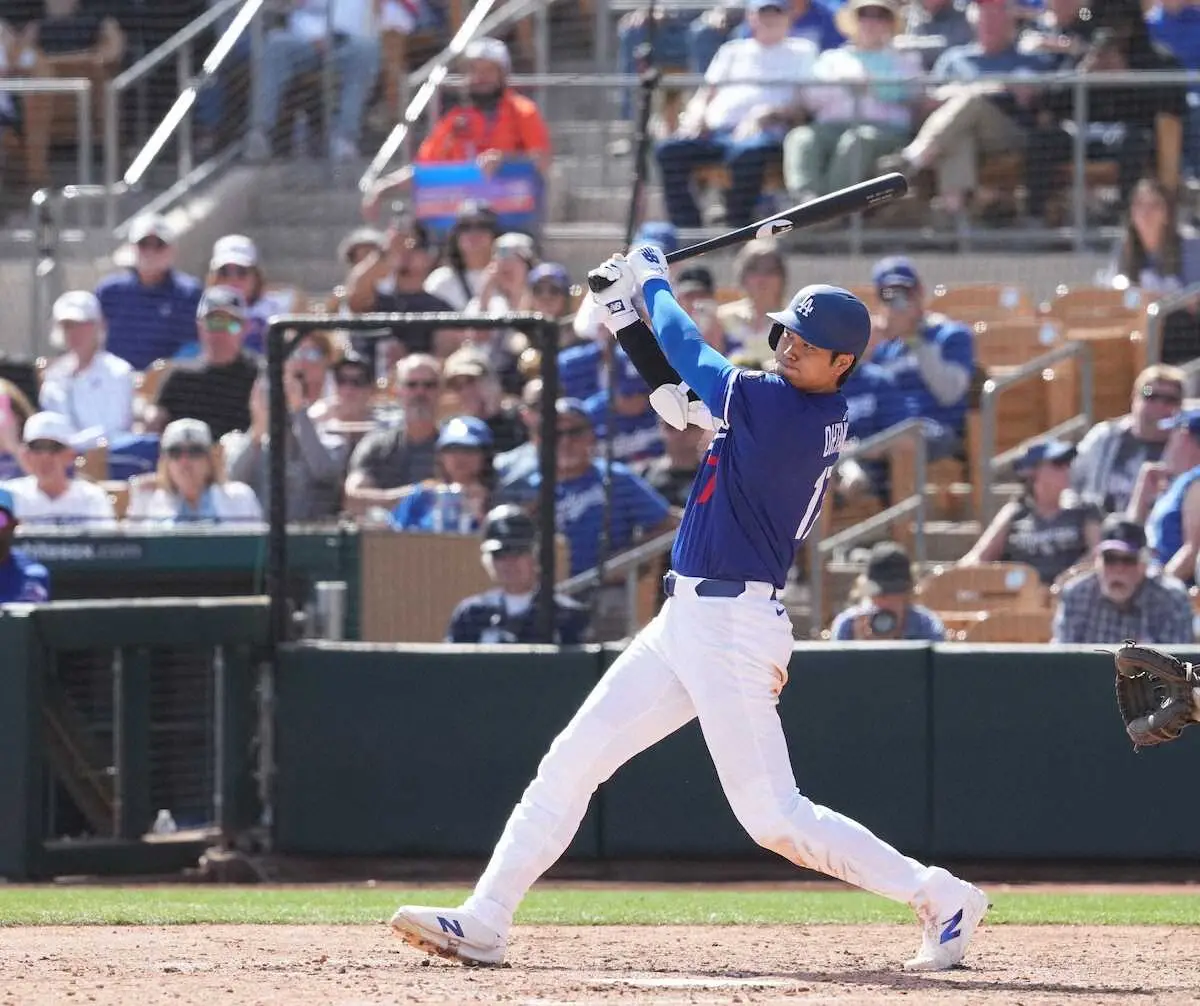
(46, 446)
(573, 432)
(352, 380)
(193, 451)
(1120, 558)
(233, 272)
(421, 385)
(152, 244)
(1162, 397)
(223, 324)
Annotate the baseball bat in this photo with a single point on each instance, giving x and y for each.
(852, 199)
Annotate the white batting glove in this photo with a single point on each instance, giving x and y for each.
(698, 414)
(670, 401)
(617, 288)
(648, 262)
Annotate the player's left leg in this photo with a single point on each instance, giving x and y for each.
(734, 665)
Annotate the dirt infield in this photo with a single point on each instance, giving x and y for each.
(301, 965)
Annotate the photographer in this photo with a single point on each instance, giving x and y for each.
(887, 611)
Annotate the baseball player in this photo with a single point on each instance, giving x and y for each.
(720, 647)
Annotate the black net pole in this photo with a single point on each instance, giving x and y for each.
(548, 466)
(277, 352)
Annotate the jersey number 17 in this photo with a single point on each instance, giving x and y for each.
(814, 505)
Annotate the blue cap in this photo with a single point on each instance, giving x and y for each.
(465, 431)
(552, 271)
(1189, 418)
(6, 501)
(629, 381)
(827, 317)
(573, 407)
(895, 270)
(658, 232)
(1052, 451)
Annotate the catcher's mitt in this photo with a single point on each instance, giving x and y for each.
(1155, 693)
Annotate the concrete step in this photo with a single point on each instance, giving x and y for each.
(949, 542)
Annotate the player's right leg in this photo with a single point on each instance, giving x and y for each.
(636, 704)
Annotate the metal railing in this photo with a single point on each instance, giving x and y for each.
(818, 547)
(1156, 319)
(81, 87)
(993, 463)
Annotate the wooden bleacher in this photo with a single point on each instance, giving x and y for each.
(987, 587)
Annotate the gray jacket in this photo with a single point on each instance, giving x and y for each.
(1092, 468)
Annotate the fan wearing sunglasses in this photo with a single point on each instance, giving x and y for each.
(22, 579)
(350, 402)
(1167, 498)
(190, 485)
(235, 264)
(49, 494)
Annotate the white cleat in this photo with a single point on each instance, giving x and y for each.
(448, 932)
(947, 928)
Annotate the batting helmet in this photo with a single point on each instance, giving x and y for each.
(827, 317)
(508, 528)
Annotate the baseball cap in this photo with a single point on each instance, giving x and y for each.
(234, 249)
(1053, 451)
(186, 433)
(1118, 534)
(753, 5)
(889, 570)
(896, 270)
(827, 317)
(47, 426)
(357, 238)
(508, 528)
(465, 431)
(552, 272)
(629, 381)
(477, 211)
(696, 279)
(221, 298)
(572, 407)
(151, 225)
(515, 243)
(491, 49)
(77, 305)
(658, 232)
(353, 360)
(465, 363)
(6, 501)
(1189, 418)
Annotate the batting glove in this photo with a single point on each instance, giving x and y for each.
(613, 287)
(648, 262)
(671, 402)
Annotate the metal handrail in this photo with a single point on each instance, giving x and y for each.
(1156, 319)
(992, 463)
(185, 36)
(818, 547)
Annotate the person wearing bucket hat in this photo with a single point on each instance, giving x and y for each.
(22, 578)
(885, 609)
(50, 494)
(851, 129)
(1173, 488)
(1048, 528)
(455, 500)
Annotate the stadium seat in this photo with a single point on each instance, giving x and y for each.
(1007, 625)
(985, 587)
(92, 464)
(1014, 341)
(118, 495)
(1095, 306)
(986, 302)
(147, 383)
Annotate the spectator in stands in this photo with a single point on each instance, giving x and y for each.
(940, 25)
(634, 425)
(311, 364)
(350, 403)
(505, 289)
(1175, 26)
(740, 116)
(49, 494)
(22, 579)
(1041, 529)
(87, 384)
(514, 468)
(476, 392)
(930, 357)
(1061, 30)
(149, 310)
(810, 20)
(974, 119)
(1167, 500)
(387, 460)
(15, 410)
(235, 264)
(315, 462)
(672, 473)
(458, 496)
(190, 485)
(549, 290)
(493, 125)
(885, 609)
(468, 254)
(358, 244)
(509, 612)
(340, 30)
(1119, 600)
(853, 127)
(696, 291)
(761, 274)
(1161, 257)
(215, 387)
(1114, 451)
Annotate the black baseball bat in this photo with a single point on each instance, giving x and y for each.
(852, 199)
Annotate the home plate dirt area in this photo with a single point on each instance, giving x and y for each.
(216, 965)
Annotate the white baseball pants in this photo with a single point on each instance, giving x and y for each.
(723, 660)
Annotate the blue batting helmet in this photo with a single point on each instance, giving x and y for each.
(827, 317)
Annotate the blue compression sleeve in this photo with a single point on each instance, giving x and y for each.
(701, 366)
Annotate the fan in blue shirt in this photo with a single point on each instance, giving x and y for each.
(22, 579)
(635, 432)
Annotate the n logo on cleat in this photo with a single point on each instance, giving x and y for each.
(950, 930)
(450, 926)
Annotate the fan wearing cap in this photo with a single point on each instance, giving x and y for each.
(190, 485)
(476, 391)
(87, 384)
(508, 612)
(149, 309)
(349, 406)
(886, 609)
(810, 20)
(491, 125)
(468, 253)
(1173, 487)
(49, 494)
(457, 497)
(1047, 528)
(739, 117)
(1120, 599)
(931, 357)
(633, 424)
(22, 578)
(852, 128)
(235, 264)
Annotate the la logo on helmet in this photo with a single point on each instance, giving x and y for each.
(805, 308)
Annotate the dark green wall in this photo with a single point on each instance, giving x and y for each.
(20, 768)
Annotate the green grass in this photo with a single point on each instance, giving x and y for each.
(361, 905)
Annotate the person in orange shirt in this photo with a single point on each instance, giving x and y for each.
(492, 124)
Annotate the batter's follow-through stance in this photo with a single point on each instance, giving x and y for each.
(720, 647)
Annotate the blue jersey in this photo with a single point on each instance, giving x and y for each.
(870, 400)
(635, 438)
(148, 323)
(23, 579)
(911, 397)
(1164, 526)
(579, 371)
(418, 511)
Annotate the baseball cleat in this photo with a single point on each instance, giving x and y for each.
(947, 928)
(448, 932)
